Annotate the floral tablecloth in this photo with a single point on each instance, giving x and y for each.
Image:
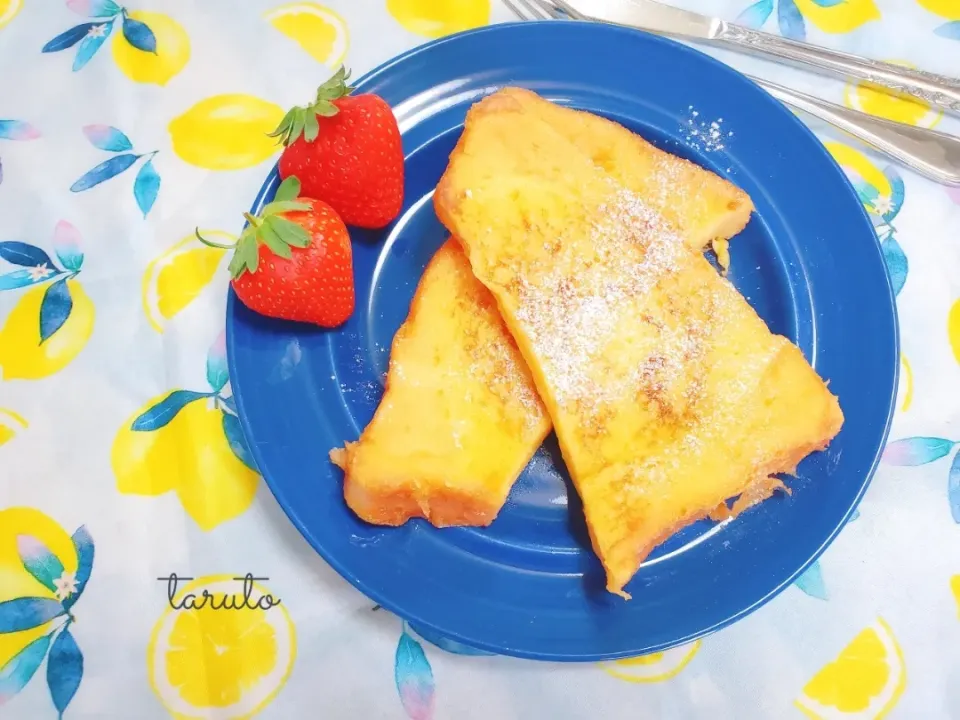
(124, 128)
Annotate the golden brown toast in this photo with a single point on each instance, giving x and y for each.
(416, 457)
(459, 418)
(668, 393)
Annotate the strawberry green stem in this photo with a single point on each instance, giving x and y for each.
(254, 221)
(211, 243)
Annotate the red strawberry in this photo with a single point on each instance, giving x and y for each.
(294, 261)
(346, 150)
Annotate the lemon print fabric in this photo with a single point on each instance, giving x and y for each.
(654, 667)
(222, 650)
(790, 17)
(189, 442)
(864, 682)
(43, 573)
(226, 132)
(146, 183)
(52, 320)
(953, 329)
(890, 105)
(882, 192)
(148, 47)
(320, 31)
(949, 9)
(9, 10)
(176, 278)
(11, 424)
(436, 18)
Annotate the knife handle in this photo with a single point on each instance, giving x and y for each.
(934, 89)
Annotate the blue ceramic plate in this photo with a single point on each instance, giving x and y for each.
(529, 585)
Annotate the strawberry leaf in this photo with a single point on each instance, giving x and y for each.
(289, 189)
(272, 239)
(311, 127)
(284, 206)
(290, 233)
(303, 120)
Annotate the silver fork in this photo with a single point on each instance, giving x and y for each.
(933, 154)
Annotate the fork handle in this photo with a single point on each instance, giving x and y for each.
(932, 154)
(934, 89)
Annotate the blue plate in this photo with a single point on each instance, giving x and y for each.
(529, 585)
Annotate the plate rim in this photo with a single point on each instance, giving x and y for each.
(505, 649)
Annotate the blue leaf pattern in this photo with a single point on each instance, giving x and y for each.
(165, 410)
(910, 452)
(19, 279)
(37, 559)
(21, 253)
(27, 612)
(66, 243)
(897, 265)
(16, 673)
(83, 544)
(69, 38)
(146, 187)
(94, 8)
(414, 678)
(55, 308)
(898, 192)
(790, 20)
(88, 48)
(107, 138)
(64, 670)
(139, 35)
(828, 3)
(811, 582)
(953, 488)
(756, 15)
(950, 30)
(104, 171)
(18, 130)
(237, 441)
(217, 373)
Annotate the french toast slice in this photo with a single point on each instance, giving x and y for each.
(406, 463)
(703, 207)
(668, 393)
(459, 418)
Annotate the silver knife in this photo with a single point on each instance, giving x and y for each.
(657, 17)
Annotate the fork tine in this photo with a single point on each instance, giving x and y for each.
(564, 7)
(516, 10)
(532, 8)
(546, 8)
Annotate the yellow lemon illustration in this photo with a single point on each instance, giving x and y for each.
(190, 454)
(173, 50)
(865, 681)
(949, 9)
(9, 10)
(221, 664)
(10, 424)
(840, 18)
(175, 279)
(435, 18)
(22, 356)
(953, 329)
(15, 581)
(897, 106)
(854, 160)
(955, 589)
(226, 132)
(317, 29)
(654, 667)
(906, 383)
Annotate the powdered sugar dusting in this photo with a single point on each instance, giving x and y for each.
(704, 135)
(573, 320)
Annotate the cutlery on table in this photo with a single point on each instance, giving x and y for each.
(930, 153)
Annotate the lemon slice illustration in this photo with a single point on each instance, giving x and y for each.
(9, 10)
(655, 667)
(435, 18)
(891, 105)
(317, 29)
(10, 424)
(906, 384)
(220, 664)
(865, 681)
(953, 329)
(176, 278)
(171, 56)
